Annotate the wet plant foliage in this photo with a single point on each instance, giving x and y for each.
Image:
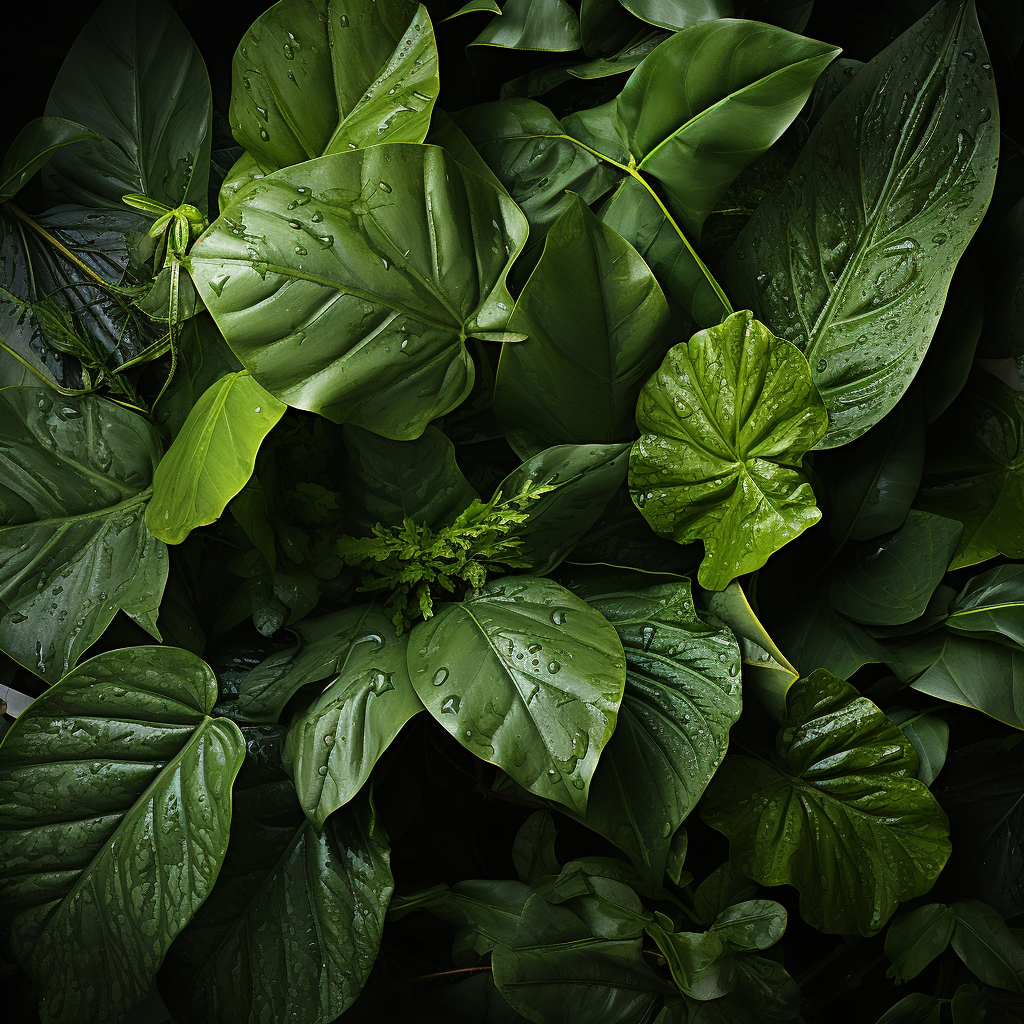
(513, 513)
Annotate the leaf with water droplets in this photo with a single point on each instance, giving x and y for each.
(293, 925)
(835, 810)
(859, 243)
(115, 805)
(75, 476)
(544, 716)
(333, 744)
(370, 326)
(329, 76)
(682, 696)
(726, 421)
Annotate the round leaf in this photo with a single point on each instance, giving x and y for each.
(527, 676)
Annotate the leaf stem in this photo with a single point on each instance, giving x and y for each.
(445, 974)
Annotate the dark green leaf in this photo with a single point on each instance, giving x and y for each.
(914, 1009)
(393, 244)
(723, 888)
(32, 148)
(533, 25)
(930, 736)
(987, 946)
(533, 851)
(916, 938)
(115, 805)
(313, 77)
(851, 262)
(134, 76)
(75, 476)
(836, 812)
(527, 676)
(677, 14)
(726, 421)
(293, 926)
(991, 604)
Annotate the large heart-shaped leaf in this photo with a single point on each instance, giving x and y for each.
(134, 76)
(527, 676)
(593, 315)
(293, 925)
(975, 470)
(312, 78)
(682, 696)
(852, 261)
(348, 284)
(212, 457)
(115, 805)
(389, 481)
(333, 744)
(32, 148)
(706, 103)
(835, 810)
(726, 421)
(75, 476)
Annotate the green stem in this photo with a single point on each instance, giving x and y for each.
(632, 171)
(49, 383)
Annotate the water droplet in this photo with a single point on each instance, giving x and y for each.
(264, 135)
(939, 238)
(440, 676)
(322, 770)
(343, 21)
(822, 365)
(553, 667)
(558, 617)
(384, 186)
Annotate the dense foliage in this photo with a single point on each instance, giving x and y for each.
(514, 514)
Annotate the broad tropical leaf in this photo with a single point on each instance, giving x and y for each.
(115, 806)
(835, 811)
(726, 421)
(75, 476)
(32, 148)
(347, 285)
(320, 77)
(527, 676)
(851, 263)
(532, 25)
(991, 604)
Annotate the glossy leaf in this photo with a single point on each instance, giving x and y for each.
(333, 744)
(32, 148)
(984, 943)
(975, 473)
(682, 696)
(914, 1009)
(119, 766)
(582, 479)
(835, 812)
(991, 604)
(313, 78)
(930, 736)
(916, 938)
(136, 78)
(75, 476)
(707, 102)
(725, 421)
(852, 262)
(533, 25)
(294, 923)
(527, 676)
(395, 244)
(558, 968)
(594, 316)
(212, 457)
(677, 14)
(891, 581)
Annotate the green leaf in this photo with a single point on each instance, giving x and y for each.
(389, 481)
(988, 948)
(682, 696)
(916, 938)
(914, 1009)
(991, 604)
(852, 261)
(333, 744)
(32, 148)
(533, 851)
(115, 805)
(709, 101)
(891, 581)
(473, 7)
(835, 812)
(314, 78)
(930, 736)
(752, 924)
(486, 912)
(582, 479)
(533, 25)
(75, 477)
(726, 421)
(527, 676)
(677, 14)
(212, 457)
(136, 78)
(558, 969)
(723, 888)
(701, 964)
(388, 249)
(975, 472)
(594, 316)
(324, 645)
(293, 926)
